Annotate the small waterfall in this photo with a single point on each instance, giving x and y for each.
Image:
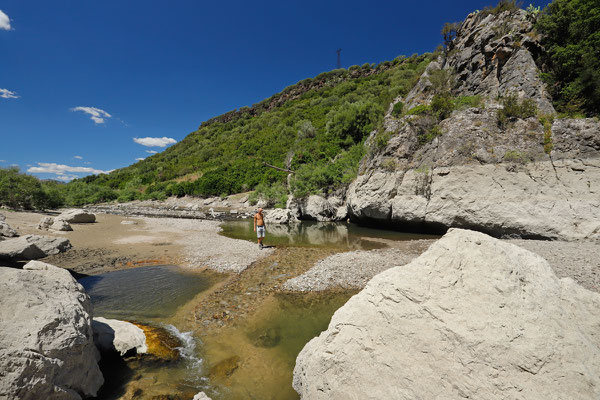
(194, 364)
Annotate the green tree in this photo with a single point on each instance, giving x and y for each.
(571, 38)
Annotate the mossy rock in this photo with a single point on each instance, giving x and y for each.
(161, 343)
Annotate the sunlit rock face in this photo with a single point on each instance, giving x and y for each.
(473, 317)
(46, 345)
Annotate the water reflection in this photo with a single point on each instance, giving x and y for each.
(318, 234)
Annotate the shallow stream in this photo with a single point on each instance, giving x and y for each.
(239, 335)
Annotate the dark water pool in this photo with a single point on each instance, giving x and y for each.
(339, 235)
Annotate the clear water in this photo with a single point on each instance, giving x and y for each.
(145, 293)
(340, 235)
(268, 344)
(150, 295)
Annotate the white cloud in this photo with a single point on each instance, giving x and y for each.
(7, 94)
(155, 141)
(97, 115)
(151, 151)
(87, 163)
(60, 169)
(4, 21)
(3, 161)
(65, 178)
(78, 157)
(140, 159)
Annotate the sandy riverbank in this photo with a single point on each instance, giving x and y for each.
(116, 242)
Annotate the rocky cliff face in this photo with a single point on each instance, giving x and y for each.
(475, 173)
(473, 317)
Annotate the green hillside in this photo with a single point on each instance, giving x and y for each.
(316, 128)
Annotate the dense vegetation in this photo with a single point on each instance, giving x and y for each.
(571, 38)
(19, 190)
(318, 134)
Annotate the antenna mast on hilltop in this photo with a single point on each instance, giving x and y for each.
(339, 59)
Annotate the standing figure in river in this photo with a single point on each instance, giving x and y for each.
(259, 227)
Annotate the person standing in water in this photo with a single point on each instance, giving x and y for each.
(259, 227)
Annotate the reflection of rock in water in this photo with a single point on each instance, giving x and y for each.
(266, 338)
(224, 369)
(314, 234)
(161, 343)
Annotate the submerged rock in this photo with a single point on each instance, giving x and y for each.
(473, 317)
(201, 396)
(225, 368)
(119, 336)
(46, 346)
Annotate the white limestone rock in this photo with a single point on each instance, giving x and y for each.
(6, 230)
(77, 217)
(120, 336)
(473, 317)
(50, 245)
(45, 223)
(32, 247)
(60, 225)
(279, 216)
(46, 346)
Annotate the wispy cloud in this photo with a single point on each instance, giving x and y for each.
(97, 115)
(78, 157)
(151, 151)
(61, 169)
(140, 159)
(4, 21)
(155, 141)
(3, 161)
(7, 94)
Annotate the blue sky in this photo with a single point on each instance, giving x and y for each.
(91, 86)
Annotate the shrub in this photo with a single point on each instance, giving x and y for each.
(517, 157)
(468, 102)
(354, 121)
(421, 109)
(503, 5)
(512, 108)
(442, 106)
(397, 110)
(547, 121)
(449, 33)
(274, 194)
(428, 136)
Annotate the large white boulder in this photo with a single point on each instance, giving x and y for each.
(77, 217)
(46, 346)
(120, 336)
(473, 317)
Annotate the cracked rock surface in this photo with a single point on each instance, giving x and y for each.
(473, 317)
